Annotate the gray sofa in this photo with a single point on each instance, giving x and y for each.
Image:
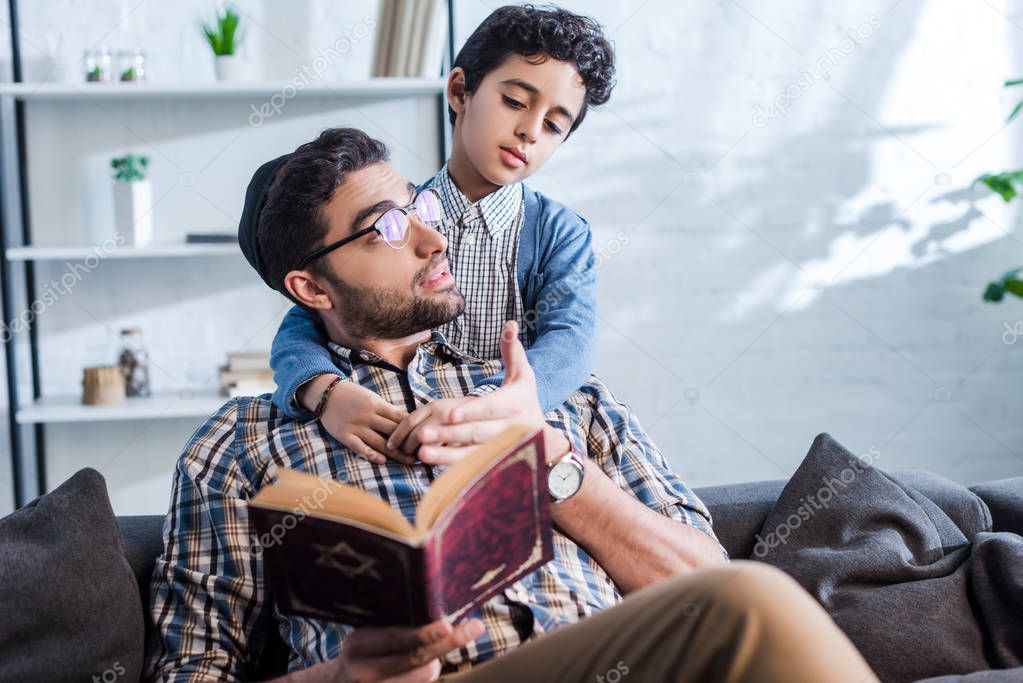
(738, 510)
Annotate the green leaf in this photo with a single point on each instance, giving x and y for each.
(1001, 185)
(994, 292)
(1015, 287)
(1008, 184)
(1012, 82)
(1015, 112)
(223, 35)
(1011, 282)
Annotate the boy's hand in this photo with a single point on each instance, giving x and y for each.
(402, 653)
(452, 428)
(356, 417)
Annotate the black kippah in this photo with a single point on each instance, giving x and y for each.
(255, 199)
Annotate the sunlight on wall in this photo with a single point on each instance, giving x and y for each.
(945, 113)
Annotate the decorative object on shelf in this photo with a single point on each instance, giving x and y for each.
(134, 362)
(56, 61)
(224, 38)
(131, 66)
(103, 385)
(211, 238)
(247, 373)
(97, 65)
(133, 199)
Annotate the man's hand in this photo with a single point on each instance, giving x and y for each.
(391, 655)
(402, 654)
(356, 417)
(406, 435)
(451, 429)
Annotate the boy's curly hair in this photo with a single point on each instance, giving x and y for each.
(547, 32)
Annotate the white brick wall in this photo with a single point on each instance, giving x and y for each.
(735, 228)
(821, 272)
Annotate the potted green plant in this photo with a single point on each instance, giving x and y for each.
(1008, 185)
(133, 199)
(223, 38)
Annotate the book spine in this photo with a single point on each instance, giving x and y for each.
(425, 596)
(383, 37)
(433, 579)
(396, 56)
(432, 62)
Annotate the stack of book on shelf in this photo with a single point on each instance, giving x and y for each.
(247, 374)
(411, 36)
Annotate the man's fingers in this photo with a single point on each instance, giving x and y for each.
(486, 407)
(512, 352)
(409, 423)
(459, 636)
(394, 640)
(444, 455)
(465, 433)
(424, 674)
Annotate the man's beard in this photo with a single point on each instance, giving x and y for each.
(380, 313)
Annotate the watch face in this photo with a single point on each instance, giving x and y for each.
(563, 480)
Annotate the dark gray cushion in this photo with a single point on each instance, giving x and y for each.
(1005, 500)
(739, 510)
(914, 577)
(70, 609)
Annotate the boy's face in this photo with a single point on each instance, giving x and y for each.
(519, 114)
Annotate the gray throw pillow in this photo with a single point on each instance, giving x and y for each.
(69, 605)
(919, 595)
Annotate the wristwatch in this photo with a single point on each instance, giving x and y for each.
(565, 477)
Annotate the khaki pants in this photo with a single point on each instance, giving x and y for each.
(743, 622)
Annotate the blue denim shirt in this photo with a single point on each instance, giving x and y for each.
(557, 280)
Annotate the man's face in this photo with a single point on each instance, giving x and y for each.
(380, 292)
(519, 114)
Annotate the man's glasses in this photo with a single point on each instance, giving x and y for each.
(393, 227)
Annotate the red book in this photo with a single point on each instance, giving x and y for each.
(333, 551)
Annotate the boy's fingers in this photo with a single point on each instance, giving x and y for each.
(382, 424)
(360, 447)
(374, 442)
(391, 412)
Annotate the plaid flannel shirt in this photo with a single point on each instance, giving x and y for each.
(209, 598)
(483, 249)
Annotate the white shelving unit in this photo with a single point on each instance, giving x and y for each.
(80, 252)
(372, 87)
(33, 99)
(57, 409)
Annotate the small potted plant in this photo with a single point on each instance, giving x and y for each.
(133, 199)
(223, 37)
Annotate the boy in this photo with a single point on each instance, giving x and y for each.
(518, 88)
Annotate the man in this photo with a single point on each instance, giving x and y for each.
(338, 230)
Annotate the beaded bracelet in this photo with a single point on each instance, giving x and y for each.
(321, 406)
